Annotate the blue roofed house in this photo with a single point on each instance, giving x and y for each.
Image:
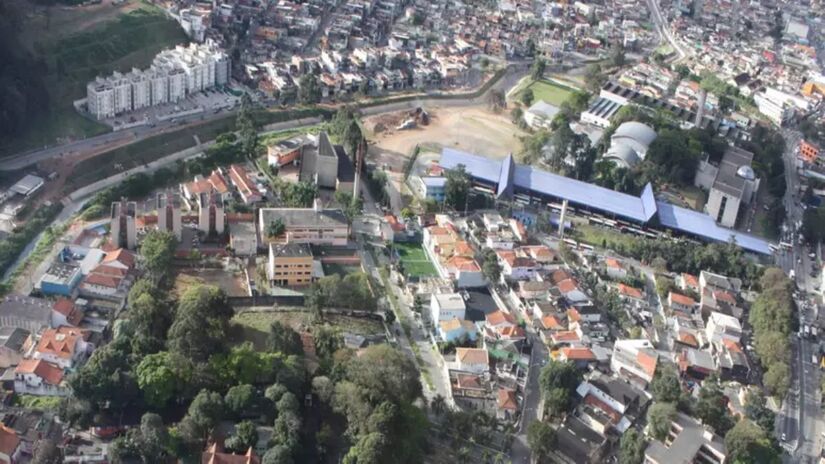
(60, 279)
(429, 187)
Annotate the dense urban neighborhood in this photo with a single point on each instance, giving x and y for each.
(412, 231)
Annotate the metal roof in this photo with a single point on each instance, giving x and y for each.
(640, 209)
(702, 225)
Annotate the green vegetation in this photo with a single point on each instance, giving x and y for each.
(548, 91)
(46, 403)
(457, 188)
(13, 245)
(413, 260)
(68, 63)
(558, 382)
(772, 318)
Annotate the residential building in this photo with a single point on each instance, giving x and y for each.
(64, 347)
(614, 269)
(473, 360)
(290, 264)
(215, 454)
(507, 405)
(112, 278)
(11, 449)
(321, 166)
(679, 302)
(243, 238)
(215, 183)
(60, 279)
(634, 360)
(721, 327)
(290, 151)
(447, 306)
(457, 329)
(429, 187)
(808, 152)
(168, 206)
(688, 441)
(25, 312)
(39, 377)
(122, 226)
(246, 188)
(314, 226)
(14, 344)
(453, 257)
(66, 312)
(776, 110)
(211, 218)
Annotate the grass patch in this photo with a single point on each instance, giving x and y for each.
(414, 260)
(254, 326)
(549, 92)
(599, 236)
(37, 402)
(132, 40)
(340, 269)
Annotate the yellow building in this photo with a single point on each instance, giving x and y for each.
(290, 264)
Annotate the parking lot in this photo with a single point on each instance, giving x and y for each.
(207, 102)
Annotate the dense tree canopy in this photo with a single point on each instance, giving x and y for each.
(632, 447)
(201, 323)
(659, 418)
(457, 188)
(746, 442)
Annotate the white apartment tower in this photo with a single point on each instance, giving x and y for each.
(168, 206)
(174, 74)
(122, 227)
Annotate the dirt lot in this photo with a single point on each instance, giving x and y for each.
(52, 22)
(473, 129)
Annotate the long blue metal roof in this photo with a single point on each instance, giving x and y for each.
(640, 209)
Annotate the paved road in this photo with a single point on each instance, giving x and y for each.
(663, 28)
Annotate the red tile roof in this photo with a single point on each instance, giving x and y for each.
(9, 441)
(578, 354)
(102, 280)
(646, 362)
(60, 342)
(680, 299)
(67, 308)
(631, 292)
(50, 373)
(499, 317)
(507, 399)
(121, 255)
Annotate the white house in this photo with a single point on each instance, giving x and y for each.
(63, 347)
(723, 327)
(38, 377)
(447, 306)
(474, 360)
(634, 360)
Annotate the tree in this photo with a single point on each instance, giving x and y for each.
(541, 438)
(283, 339)
(369, 449)
(276, 228)
(457, 188)
(309, 91)
(537, 69)
(490, 266)
(517, 116)
(162, 376)
(204, 413)
(154, 438)
(666, 386)
(777, 379)
(241, 399)
(245, 124)
(352, 206)
(659, 418)
(438, 405)
(386, 373)
(496, 100)
(593, 77)
(527, 97)
(558, 381)
(757, 410)
(632, 447)
(674, 156)
(617, 57)
(278, 454)
(201, 323)
(150, 316)
(107, 378)
(747, 442)
(245, 437)
(712, 406)
(158, 251)
(45, 452)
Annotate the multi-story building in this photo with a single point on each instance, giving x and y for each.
(447, 306)
(290, 264)
(211, 218)
(168, 205)
(687, 441)
(173, 75)
(314, 226)
(122, 226)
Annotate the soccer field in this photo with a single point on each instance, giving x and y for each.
(549, 92)
(414, 260)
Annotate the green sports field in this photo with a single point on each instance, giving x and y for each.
(414, 260)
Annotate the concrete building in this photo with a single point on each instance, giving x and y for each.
(687, 441)
(243, 238)
(246, 188)
(541, 114)
(60, 279)
(731, 184)
(290, 264)
(629, 144)
(211, 218)
(168, 206)
(634, 360)
(447, 306)
(321, 166)
(38, 377)
(122, 226)
(601, 112)
(429, 187)
(24, 312)
(722, 327)
(778, 111)
(305, 225)
(14, 344)
(173, 75)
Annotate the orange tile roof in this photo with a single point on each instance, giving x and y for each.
(9, 441)
(567, 286)
(559, 276)
(110, 270)
(241, 180)
(611, 262)
(103, 280)
(690, 280)
(573, 315)
(215, 455)
(647, 362)
(565, 336)
(511, 332)
(578, 354)
(463, 248)
(121, 255)
(67, 308)
(688, 339)
(732, 345)
(50, 373)
(469, 381)
(631, 292)
(551, 323)
(680, 299)
(507, 399)
(507, 256)
(60, 342)
(500, 317)
(463, 263)
(724, 296)
(472, 355)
